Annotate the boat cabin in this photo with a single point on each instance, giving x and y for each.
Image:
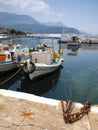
(42, 57)
(5, 56)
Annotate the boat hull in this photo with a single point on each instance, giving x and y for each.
(73, 44)
(43, 69)
(7, 66)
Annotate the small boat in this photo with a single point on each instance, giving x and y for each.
(41, 63)
(4, 36)
(75, 41)
(7, 53)
(6, 62)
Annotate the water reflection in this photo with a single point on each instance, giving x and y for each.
(73, 50)
(63, 45)
(8, 79)
(72, 53)
(21, 82)
(40, 85)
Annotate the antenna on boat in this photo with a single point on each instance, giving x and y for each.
(52, 45)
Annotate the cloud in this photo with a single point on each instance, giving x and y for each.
(23, 6)
(54, 16)
(61, 15)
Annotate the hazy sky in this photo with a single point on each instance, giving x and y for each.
(80, 14)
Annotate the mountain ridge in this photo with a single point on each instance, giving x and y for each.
(6, 17)
(29, 24)
(59, 24)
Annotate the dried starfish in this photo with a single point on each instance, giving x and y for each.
(26, 114)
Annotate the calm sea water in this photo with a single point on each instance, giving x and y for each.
(76, 79)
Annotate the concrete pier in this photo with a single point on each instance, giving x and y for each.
(21, 111)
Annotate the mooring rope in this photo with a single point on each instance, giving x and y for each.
(3, 82)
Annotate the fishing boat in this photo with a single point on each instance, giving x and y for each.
(75, 42)
(41, 63)
(6, 62)
(7, 53)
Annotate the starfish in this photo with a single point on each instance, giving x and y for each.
(26, 114)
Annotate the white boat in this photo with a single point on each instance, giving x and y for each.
(4, 36)
(42, 63)
(6, 62)
(6, 57)
(75, 41)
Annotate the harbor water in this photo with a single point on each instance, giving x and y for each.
(76, 79)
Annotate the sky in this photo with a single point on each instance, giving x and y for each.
(79, 14)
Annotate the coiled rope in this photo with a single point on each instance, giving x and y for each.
(3, 82)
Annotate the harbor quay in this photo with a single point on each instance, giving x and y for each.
(30, 112)
(67, 37)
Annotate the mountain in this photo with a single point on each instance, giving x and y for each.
(29, 24)
(9, 18)
(58, 24)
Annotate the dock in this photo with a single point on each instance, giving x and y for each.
(30, 112)
(64, 38)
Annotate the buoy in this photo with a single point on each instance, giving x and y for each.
(30, 49)
(60, 51)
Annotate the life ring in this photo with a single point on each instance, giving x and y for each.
(32, 68)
